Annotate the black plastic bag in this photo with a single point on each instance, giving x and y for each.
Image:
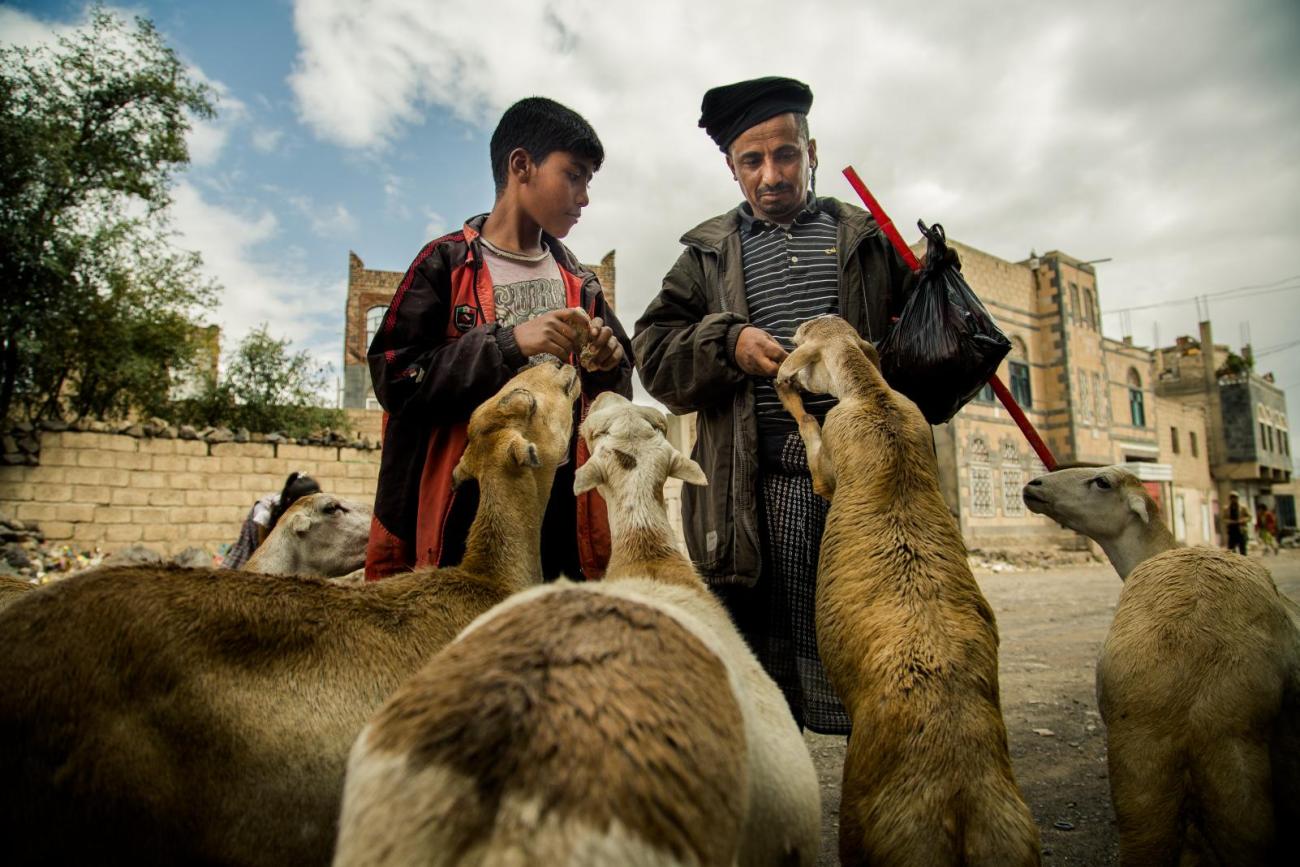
(945, 346)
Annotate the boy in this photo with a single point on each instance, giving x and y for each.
(475, 307)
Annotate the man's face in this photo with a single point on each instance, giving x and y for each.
(772, 162)
(555, 191)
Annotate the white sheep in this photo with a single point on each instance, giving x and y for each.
(320, 534)
(1198, 684)
(154, 715)
(908, 640)
(619, 722)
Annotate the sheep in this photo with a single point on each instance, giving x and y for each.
(159, 716)
(13, 589)
(320, 534)
(908, 641)
(620, 722)
(1198, 683)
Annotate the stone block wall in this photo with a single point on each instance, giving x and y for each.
(109, 490)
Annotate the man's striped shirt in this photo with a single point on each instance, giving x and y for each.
(791, 274)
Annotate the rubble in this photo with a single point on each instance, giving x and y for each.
(1000, 560)
(24, 554)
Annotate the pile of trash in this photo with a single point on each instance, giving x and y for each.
(1028, 559)
(25, 555)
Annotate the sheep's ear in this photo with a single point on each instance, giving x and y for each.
(1138, 504)
(588, 476)
(524, 453)
(687, 470)
(519, 400)
(460, 474)
(300, 524)
(870, 352)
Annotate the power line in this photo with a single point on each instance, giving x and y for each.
(1281, 346)
(1239, 292)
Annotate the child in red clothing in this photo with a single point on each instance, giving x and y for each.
(475, 307)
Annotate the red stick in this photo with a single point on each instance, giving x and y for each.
(999, 388)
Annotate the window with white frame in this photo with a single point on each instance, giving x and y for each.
(374, 318)
(981, 492)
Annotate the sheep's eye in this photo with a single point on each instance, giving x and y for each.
(1101, 482)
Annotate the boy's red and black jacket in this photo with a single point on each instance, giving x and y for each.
(437, 355)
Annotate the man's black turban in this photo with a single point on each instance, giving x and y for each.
(729, 110)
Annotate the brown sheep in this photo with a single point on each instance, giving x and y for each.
(1198, 684)
(165, 716)
(615, 722)
(13, 589)
(908, 640)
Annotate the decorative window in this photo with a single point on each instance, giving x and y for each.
(1085, 403)
(981, 492)
(374, 318)
(1173, 439)
(1013, 482)
(985, 394)
(1089, 310)
(979, 450)
(1136, 401)
(1263, 436)
(1191, 440)
(1099, 398)
(1074, 301)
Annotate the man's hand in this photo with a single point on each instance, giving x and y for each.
(603, 351)
(757, 353)
(555, 332)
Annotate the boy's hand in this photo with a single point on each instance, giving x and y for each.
(603, 351)
(757, 353)
(555, 332)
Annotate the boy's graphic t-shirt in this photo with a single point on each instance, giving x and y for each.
(523, 287)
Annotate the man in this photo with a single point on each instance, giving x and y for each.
(1235, 521)
(711, 343)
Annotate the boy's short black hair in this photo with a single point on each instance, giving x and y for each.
(541, 126)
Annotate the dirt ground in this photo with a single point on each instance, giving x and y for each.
(1052, 624)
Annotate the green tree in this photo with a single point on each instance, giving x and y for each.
(100, 307)
(266, 388)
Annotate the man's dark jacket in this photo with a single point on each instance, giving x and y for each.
(685, 346)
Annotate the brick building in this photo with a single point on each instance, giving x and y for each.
(1246, 419)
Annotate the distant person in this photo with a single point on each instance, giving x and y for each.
(1266, 528)
(265, 514)
(1236, 518)
(477, 306)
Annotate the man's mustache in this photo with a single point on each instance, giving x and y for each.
(776, 188)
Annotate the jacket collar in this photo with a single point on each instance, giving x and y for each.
(712, 235)
(563, 255)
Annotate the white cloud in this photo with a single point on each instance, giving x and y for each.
(208, 138)
(27, 31)
(1162, 136)
(267, 140)
(327, 221)
(436, 226)
(262, 282)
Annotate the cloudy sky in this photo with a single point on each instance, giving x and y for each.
(1162, 135)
